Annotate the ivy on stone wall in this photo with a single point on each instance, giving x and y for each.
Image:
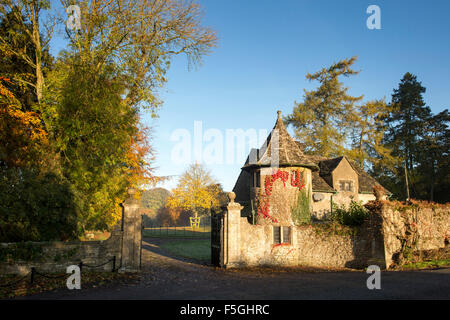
(410, 238)
(301, 213)
(297, 180)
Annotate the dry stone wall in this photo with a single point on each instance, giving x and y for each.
(124, 244)
(412, 227)
(306, 247)
(57, 256)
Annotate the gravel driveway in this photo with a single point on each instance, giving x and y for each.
(168, 277)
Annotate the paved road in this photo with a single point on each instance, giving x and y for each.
(168, 277)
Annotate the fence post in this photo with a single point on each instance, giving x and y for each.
(114, 264)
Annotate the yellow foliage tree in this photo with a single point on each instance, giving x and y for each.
(196, 190)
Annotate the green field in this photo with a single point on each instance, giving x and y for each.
(198, 249)
(177, 232)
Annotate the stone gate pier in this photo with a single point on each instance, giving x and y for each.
(132, 234)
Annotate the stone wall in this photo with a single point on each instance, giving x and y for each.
(366, 197)
(124, 244)
(308, 248)
(412, 227)
(321, 205)
(56, 256)
(392, 230)
(253, 245)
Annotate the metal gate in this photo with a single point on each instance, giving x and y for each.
(216, 238)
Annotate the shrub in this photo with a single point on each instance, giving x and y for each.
(352, 216)
(36, 206)
(24, 251)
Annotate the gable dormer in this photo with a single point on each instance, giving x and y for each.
(345, 178)
(339, 173)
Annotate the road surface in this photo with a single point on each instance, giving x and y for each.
(169, 277)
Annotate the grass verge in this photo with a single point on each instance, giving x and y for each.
(194, 249)
(427, 265)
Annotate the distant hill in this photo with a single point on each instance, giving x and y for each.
(152, 200)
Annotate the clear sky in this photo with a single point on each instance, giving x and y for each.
(265, 49)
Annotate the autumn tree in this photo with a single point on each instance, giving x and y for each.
(101, 145)
(87, 108)
(25, 140)
(28, 41)
(94, 96)
(36, 204)
(141, 37)
(367, 145)
(196, 190)
(323, 120)
(23, 137)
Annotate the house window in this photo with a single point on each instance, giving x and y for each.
(281, 235)
(255, 179)
(276, 235)
(286, 235)
(346, 185)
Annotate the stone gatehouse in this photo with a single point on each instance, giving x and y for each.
(282, 195)
(279, 178)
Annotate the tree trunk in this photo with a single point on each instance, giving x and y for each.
(39, 77)
(433, 179)
(36, 38)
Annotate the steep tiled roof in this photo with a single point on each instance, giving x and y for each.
(319, 183)
(289, 153)
(327, 166)
(322, 180)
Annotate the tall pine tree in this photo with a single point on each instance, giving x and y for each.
(418, 139)
(323, 120)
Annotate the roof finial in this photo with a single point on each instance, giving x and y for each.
(279, 114)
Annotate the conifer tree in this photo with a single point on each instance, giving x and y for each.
(323, 120)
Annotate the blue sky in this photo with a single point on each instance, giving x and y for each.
(265, 49)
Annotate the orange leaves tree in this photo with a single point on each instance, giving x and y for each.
(116, 63)
(21, 132)
(36, 204)
(85, 116)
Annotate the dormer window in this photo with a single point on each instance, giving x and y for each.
(346, 185)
